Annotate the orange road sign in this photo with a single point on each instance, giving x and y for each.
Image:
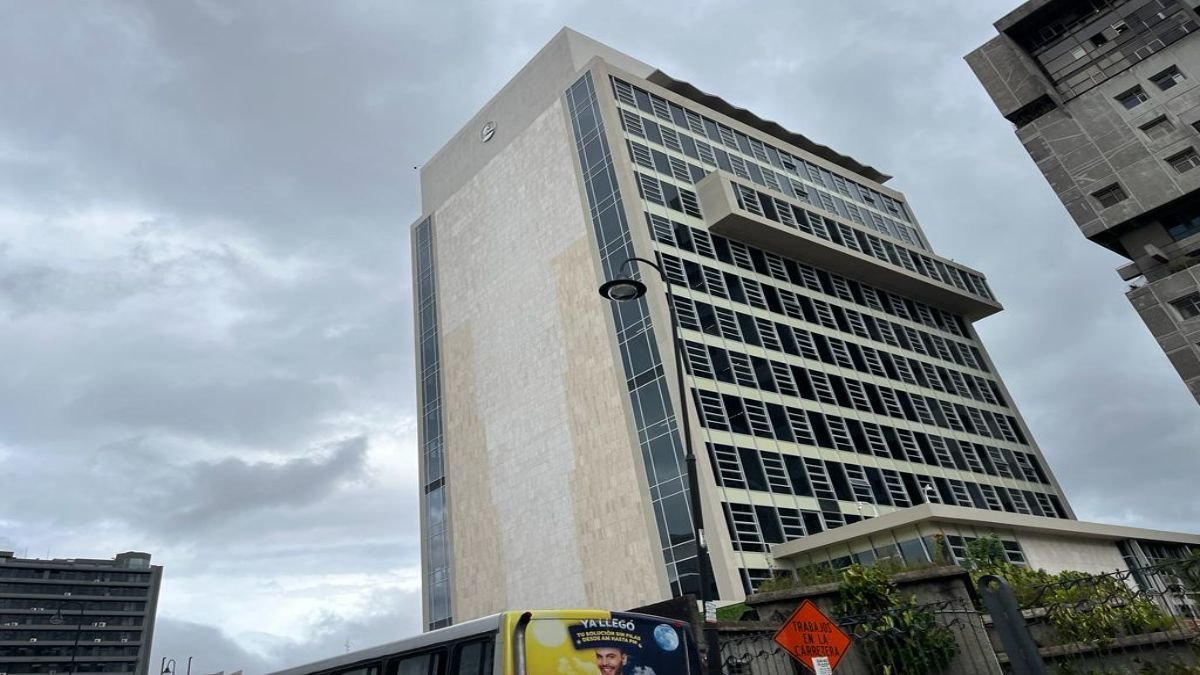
(813, 639)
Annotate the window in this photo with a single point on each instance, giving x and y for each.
(1133, 98)
(1099, 39)
(473, 658)
(1157, 128)
(1188, 306)
(1184, 161)
(1183, 228)
(1167, 78)
(418, 664)
(1110, 196)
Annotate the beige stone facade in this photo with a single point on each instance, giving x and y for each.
(545, 503)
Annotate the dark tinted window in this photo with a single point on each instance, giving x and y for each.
(429, 663)
(473, 658)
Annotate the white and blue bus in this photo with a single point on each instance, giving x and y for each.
(550, 642)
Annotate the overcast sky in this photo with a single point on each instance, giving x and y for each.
(205, 295)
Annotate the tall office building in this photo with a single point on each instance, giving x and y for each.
(835, 373)
(1103, 95)
(77, 615)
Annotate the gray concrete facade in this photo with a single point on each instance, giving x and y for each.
(833, 369)
(77, 615)
(1104, 96)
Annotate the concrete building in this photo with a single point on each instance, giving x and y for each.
(835, 373)
(1051, 544)
(77, 615)
(1104, 96)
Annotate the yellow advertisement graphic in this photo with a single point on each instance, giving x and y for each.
(620, 644)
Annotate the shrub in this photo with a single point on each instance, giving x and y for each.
(897, 634)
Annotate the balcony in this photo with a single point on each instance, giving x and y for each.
(740, 210)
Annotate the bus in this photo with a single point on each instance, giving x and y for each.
(544, 642)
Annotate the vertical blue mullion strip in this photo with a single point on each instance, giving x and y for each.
(433, 479)
(631, 319)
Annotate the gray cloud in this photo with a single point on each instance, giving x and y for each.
(212, 650)
(215, 490)
(204, 282)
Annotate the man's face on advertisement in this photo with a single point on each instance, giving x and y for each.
(610, 661)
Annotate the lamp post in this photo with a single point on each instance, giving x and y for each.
(58, 620)
(625, 289)
(167, 667)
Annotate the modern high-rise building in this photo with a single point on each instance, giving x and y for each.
(835, 374)
(1104, 96)
(77, 615)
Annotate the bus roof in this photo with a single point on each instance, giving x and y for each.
(467, 628)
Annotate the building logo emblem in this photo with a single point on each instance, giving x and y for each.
(488, 130)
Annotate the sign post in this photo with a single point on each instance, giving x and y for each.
(813, 639)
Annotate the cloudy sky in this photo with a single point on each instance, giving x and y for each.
(204, 275)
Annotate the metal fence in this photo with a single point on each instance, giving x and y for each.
(942, 637)
(1134, 622)
(1139, 622)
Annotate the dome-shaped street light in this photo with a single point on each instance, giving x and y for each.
(624, 289)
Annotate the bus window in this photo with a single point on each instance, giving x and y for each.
(429, 663)
(473, 658)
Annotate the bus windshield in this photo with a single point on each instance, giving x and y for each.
(611, 644)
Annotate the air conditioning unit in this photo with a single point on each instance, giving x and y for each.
(124, 639)
(67, 593)
(95, 639)
(102, 624)
(33, 639)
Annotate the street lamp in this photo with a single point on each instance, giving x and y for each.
(167, 667)
(625, 289)
(58, 620)
(929, 492)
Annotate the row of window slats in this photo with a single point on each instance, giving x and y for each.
(961, 354)
(701, 242)
(687, 172)
(796, 217)
(715, 283)
(804, 382)
(700, 125)
(794, 425)
(789, 424)
(755, 526)
(934, 411)
(781, 476)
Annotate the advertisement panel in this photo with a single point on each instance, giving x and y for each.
(612, 644)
